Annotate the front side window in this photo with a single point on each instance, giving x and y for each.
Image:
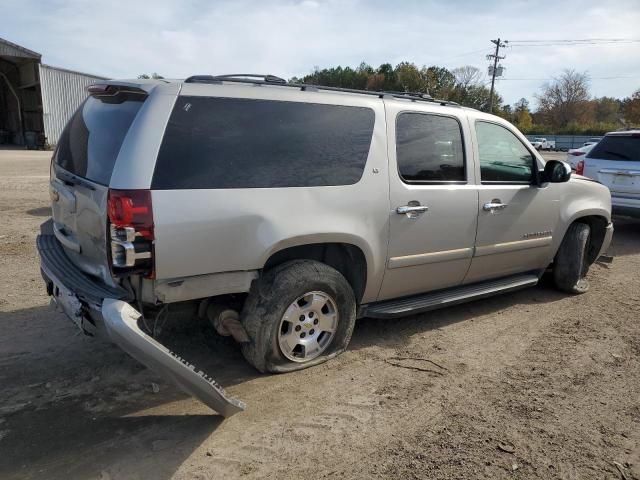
(503, 157)
(213, 143)
(429, 148)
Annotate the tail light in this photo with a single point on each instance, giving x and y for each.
(576, 154)
(580, 168)
(131, 232)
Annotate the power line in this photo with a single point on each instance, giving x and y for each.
(570, 43)
(591, 78)
(577, 40)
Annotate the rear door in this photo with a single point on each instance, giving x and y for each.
(80, 173)
(615, 162)
(433, 200)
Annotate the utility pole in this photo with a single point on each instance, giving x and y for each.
(494, 70)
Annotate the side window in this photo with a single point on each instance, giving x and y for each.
(503, 157)
(429, 148)
(215, 142)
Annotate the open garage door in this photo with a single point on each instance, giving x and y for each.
(20, 98)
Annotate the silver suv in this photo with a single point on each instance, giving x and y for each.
(284, 212)
(615, 162)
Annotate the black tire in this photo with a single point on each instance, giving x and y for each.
(273, 293)
(570, 265)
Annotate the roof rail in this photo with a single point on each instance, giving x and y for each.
(236, 77)
(258, 79)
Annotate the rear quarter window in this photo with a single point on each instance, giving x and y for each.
(217, 143)
(617, 147)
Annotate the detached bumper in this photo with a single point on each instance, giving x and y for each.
(121, 320)
(93, 306)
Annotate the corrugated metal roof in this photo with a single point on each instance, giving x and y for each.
(11, 49)
(62, 93)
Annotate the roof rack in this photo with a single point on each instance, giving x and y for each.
(258, 79)
(236, 77)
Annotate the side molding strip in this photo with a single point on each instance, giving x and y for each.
(513, 246)
(434, 257)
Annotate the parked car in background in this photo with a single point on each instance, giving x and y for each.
(543, 144)
(592, 141)
(284, 212)
(574, 155)
(615, 162)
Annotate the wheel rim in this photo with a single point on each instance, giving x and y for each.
(308, 326)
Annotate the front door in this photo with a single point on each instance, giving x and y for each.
(433, 198)
(516, 217)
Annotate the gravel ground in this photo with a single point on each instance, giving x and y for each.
(532, 384)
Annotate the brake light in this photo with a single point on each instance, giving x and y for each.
(576, 154)
(580, 168)
(130, 215)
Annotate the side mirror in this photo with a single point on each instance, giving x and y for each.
(556, 171)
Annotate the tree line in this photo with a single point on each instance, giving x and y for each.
(565, 105)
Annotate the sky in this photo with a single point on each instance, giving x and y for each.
(122, 39)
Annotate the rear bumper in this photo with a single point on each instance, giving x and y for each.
(97, 308)
(627, 206)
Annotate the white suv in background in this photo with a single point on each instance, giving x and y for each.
(615, 162)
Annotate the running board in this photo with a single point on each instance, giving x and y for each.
(444, 298)
(121, 320)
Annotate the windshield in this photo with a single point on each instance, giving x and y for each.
(538, 139)
(91, 141)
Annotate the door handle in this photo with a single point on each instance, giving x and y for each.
(412, 211)
(493, 205)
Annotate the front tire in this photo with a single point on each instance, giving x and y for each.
(298, 314)
(570, 266)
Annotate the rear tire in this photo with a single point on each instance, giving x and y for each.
(273, 316)
(570, 266)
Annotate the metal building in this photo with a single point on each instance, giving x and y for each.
(36, 100)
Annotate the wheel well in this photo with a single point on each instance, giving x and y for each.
(345, 258)
(598, 227)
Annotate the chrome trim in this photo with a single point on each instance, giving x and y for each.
(513, 246)
(123, 254)
(407, 209)
(125, 234)
(433, 257)
(494, 205)
(624, 173)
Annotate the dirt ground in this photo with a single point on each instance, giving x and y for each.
(533, 384)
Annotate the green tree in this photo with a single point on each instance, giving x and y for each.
(522, 116)
(409, 78)
(439, 81)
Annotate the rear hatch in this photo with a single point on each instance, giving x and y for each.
(615, 162)
(81, 169)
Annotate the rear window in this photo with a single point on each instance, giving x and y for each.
(617, 147)
(89, 144)
(244, 143)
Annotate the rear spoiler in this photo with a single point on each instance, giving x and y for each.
(111, 93)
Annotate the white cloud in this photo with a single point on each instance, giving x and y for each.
(287, 37)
